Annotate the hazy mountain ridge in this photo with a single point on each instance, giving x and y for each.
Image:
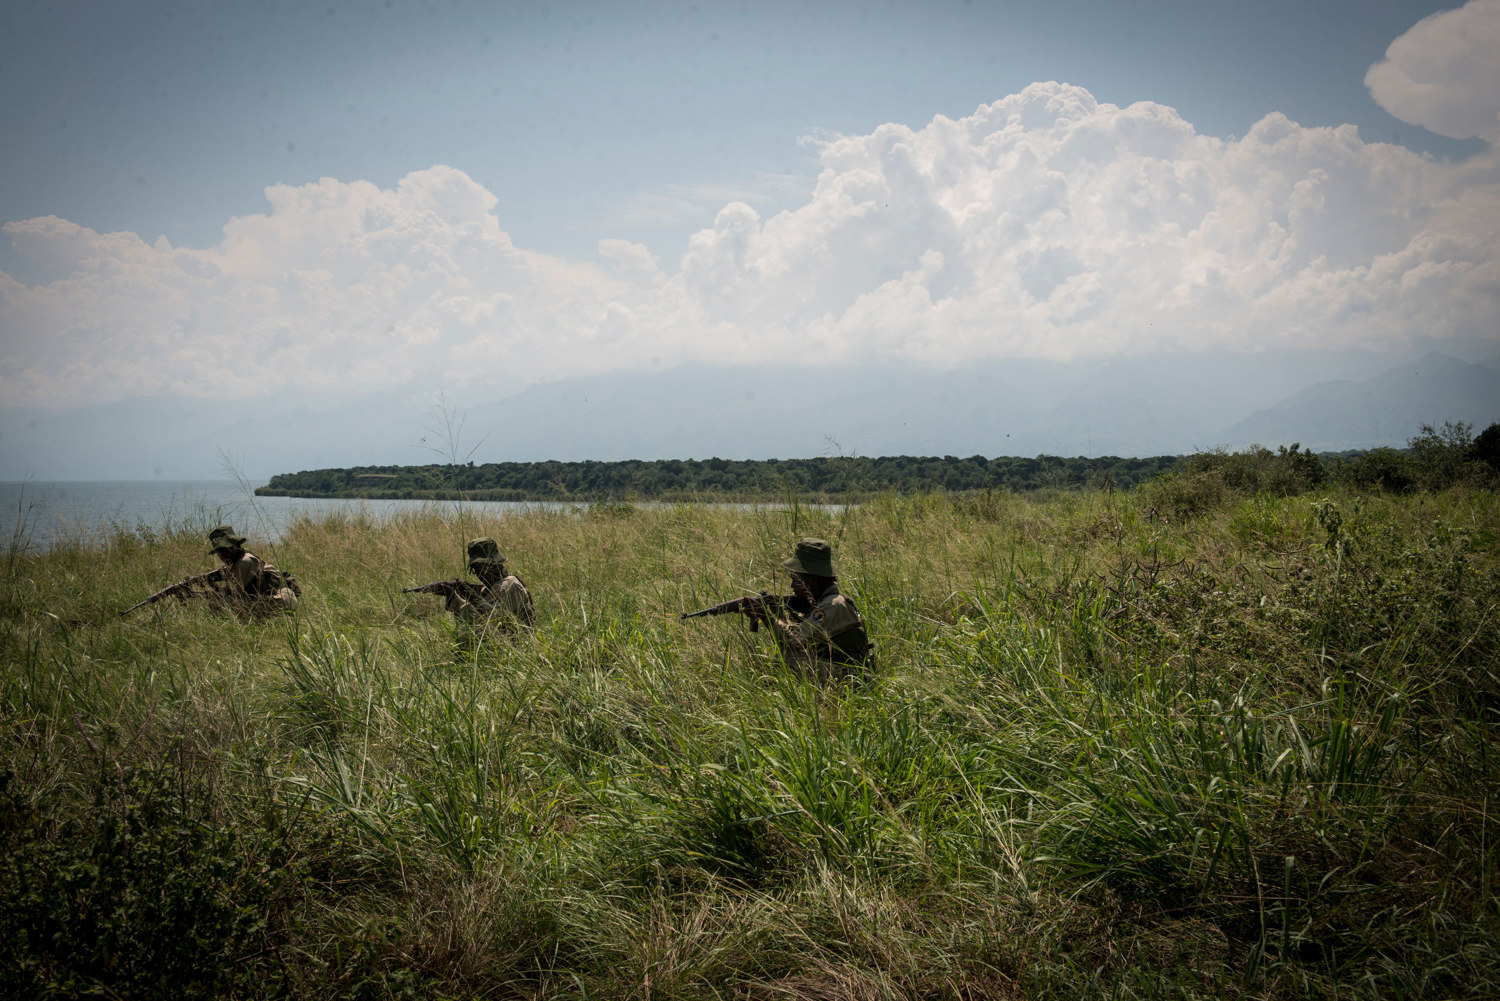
(1385, 410)
(1140, 406)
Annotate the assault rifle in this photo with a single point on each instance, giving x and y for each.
(181, 588)
(773, 604)
(467, 590)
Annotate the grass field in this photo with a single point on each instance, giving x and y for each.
(1114, 746)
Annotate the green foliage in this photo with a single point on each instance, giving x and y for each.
(845, 477)
(1486, 447)
(1379, 469)
(1111, 749)
(1435, 459)
(1206, 481)
(1446, 456)
(144, 896)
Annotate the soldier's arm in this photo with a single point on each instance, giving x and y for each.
(802, 635)
(515, 599)
(466, 609)
(245, 573)
(814, 632)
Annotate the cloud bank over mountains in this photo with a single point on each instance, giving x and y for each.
(1045, 225)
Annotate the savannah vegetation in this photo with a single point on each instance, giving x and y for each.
(1230, 733)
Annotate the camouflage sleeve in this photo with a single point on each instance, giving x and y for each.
(838, 617)
(515, 599)
(470, 611)
(246, 573)
(801, 635)
(814, 632)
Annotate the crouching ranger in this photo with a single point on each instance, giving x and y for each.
(499, 592)
(819, 630)
(247, 582)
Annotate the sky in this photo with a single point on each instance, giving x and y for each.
(247, 199)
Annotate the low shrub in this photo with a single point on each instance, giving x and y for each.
(144, 895)
(1435, 459)
(1206, 481)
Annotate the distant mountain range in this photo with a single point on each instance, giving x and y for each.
(1385, 410)
(1164, 404)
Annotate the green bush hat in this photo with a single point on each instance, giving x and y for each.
(223, 537)
(812, 556)
(483, 551)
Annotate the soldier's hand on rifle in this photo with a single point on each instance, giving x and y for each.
(753, 609)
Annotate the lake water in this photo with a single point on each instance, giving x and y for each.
(35, 515)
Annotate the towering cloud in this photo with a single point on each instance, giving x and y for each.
(1444, 73)
(1045, 224)
(1048, 224)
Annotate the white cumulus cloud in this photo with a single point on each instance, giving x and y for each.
(342, 287)
(1444, 73)
(1045, 224)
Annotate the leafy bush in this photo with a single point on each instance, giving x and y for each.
(1486, 448)
(1206, 481)
(1442, 456)
(1284, 472)
(145, 896)
(1379, 469)
(1435, 459)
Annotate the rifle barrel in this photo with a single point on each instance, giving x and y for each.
(182, 585)
(725, 608)
(465, 589)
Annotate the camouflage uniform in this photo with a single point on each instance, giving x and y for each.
(830, 638)
(507, 596)
(250, 583)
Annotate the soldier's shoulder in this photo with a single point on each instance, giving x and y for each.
(835, 612)
(834, 599)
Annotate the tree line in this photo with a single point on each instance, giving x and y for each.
(1436, 458)
(824, 478)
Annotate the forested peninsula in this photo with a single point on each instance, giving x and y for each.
(819, 479)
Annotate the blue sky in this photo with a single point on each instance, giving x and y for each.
(593, 120)
(480, 197)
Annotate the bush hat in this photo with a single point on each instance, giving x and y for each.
(483, 551)
(812, 556)
(223, 537)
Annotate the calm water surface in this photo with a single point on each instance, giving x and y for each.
(36, 515)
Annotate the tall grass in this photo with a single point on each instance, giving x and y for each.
(1111, 748)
